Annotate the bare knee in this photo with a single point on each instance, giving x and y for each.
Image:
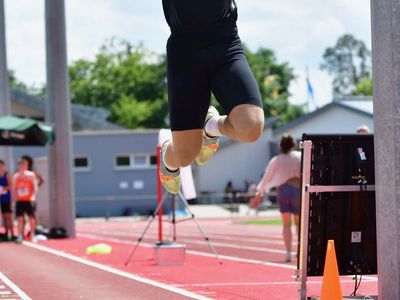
(247, 122)
(249, 130)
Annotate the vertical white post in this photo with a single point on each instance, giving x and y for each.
(5, 103)
(61, 186)
(305, 207)
(386, 76)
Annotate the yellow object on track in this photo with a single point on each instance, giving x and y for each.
(99, 249)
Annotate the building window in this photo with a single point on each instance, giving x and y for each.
(140, 160)
(123, 161)
(153, 160)
(81, 163)
(135, 161)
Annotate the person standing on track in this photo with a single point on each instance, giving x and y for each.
(205, 55)
(39, 181)
(5, 200)
(283, 171)
(24, 192)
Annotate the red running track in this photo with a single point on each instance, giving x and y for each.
(252, 263)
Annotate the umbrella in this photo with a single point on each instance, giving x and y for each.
(16, 131)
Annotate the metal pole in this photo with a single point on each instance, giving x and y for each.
(61, 185)
(386, 73)
(304, 222)
(159, 196)
(5, 103)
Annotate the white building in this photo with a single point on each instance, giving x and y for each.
(237, 162)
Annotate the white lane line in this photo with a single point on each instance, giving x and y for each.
(233, 246)
(372, 278)
(257, 283)
(226, 257)
(14, 287)
(116, 271)
(246, 260)
(269, 235)
(261, 240)
(255, 232)
(5, 293)
(219, 244)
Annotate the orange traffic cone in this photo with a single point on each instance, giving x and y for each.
(331, 282)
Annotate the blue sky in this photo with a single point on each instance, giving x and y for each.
(297, 30)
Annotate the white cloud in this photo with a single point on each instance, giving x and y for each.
(297, 30)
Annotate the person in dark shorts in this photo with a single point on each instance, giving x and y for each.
(5, 200)
(24, 192)
(283, 172)
(39, 181)
(205, 56)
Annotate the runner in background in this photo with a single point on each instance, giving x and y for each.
(284, 172)
(25, 188)
(39, 181)
(5, 200)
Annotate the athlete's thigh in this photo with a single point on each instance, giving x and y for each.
(233, 84)
(189, 96)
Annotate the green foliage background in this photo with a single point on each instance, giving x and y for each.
(130, 82)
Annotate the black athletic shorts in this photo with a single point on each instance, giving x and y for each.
(24, 207)
(198, 67)
(5, 207)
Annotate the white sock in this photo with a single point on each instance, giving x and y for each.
(167, 166)
(212, 126)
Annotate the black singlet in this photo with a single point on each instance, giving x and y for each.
(199, 13)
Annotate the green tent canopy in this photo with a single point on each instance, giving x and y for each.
(24, 132)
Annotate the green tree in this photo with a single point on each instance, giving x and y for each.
(273, 79)
(16, 84)
(127, 80)
(349, 62)
(130, 82)
(364, 87)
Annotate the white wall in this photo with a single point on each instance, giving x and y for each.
(332, 121)
(235, 162)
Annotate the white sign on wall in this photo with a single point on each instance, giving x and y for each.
(123, 185)
(138, 184)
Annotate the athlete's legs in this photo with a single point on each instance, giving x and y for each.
(287, 232)
(235, 88)
(189, 96)
(8, 223)
(245, 123)
(21, 225)
(296, 219)
(32, 224)
(184, 148)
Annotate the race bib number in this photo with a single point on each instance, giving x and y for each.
(22, 192)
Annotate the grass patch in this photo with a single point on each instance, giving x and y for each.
(263, 222)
